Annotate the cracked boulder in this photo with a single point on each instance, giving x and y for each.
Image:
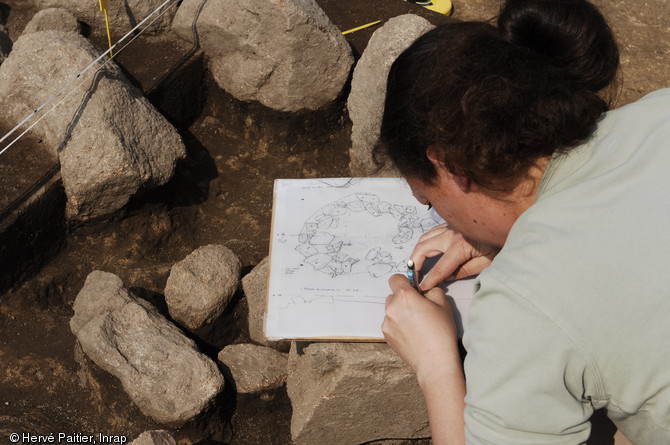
(111, 143)
(123, 16)
(286, 54)
(368, 89)
(161, 369)
(353, 393)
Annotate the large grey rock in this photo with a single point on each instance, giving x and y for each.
(255, 286)
(201, 285)
(55, 19)
(122, 15)
(255, 368)
(110, 141)
(285, 54)
(159, 367)
(353, 393)
(368, 88)
(157, 437)
(103, 292)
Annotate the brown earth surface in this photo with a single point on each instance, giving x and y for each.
(221, 194)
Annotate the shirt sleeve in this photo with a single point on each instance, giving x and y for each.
(525, 376)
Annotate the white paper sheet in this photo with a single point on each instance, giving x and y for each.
(335, 243)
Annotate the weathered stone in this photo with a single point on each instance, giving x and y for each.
(353, 393)
(368, 89)
(201, 285)
(255, 286)
(122, 16)
(158, 437)
(110, 141)
(56, 19)
(103, 292)
(159, 367)
(285, 54)
(255, 368)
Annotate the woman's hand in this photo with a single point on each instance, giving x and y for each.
(420, 328)
(461, 257)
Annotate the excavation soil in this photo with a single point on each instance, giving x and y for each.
(221, 194)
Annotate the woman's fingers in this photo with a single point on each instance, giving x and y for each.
(443, 269)
(437, 243)
(437, 230)
(437, 296)
(460, 256)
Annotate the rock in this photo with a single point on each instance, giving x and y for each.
(255, 286)
(368, 88)
(159, 367)
(255, 368)
(56, 19)
(201, 285)
(110, 141)
(122, 16)
(103, 292)
(353, 393)
(158, 437)
(285, 54)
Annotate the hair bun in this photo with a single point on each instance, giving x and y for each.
(571, 34)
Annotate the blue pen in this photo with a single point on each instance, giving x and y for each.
(413, 276)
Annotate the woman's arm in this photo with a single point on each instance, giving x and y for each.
(421, 330)
(444, 393)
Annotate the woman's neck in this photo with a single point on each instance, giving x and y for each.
(508, 206)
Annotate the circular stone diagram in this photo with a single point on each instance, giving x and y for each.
(327, 243)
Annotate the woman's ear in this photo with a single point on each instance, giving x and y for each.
(435, 156)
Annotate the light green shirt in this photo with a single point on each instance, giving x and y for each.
(574, 313)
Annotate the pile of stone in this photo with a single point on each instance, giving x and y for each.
(351, 392)
(111, 143)
(109, 140)
(159, 366)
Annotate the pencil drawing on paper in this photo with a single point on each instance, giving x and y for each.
(333, 240)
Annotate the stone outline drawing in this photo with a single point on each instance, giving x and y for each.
(322, 250)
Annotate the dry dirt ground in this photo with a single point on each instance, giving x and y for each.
(221, 194)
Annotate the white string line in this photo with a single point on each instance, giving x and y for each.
(50, 99)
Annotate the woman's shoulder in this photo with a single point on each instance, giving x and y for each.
(661, 96)
(639, 118)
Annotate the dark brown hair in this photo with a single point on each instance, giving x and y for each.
(496, 99)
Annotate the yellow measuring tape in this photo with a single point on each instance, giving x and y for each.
(103, 8)
(349, 31)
